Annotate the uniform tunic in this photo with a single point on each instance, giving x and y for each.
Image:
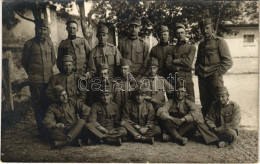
(79, 49)
(104, 54)
(137, 51)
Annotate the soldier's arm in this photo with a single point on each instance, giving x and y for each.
(87, 51)
(198, 59)
(210, 117)
(194, 113)
(82, 109)
(168, 86)
(91, 63)
(162, 112)
(25, 57)
(146, 58)
(151, 116)
(188, 58)
(49, 120)
(152, 53)
(59, 56)
(53, 57)
(225, 57)
(49, 92)
(235, 118)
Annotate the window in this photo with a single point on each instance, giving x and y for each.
(249, 39)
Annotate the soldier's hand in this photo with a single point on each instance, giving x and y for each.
(60, 125)
(137, 126)
(176, 121)
(143, 130)
(217, 130)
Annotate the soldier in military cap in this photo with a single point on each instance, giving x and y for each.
(161, 50)
(157, 85)
(213, 61)
(38, 59)
(180, 117)
(180, 59)
(139, 118)
(224, 117)
(104, 53)
(70, 80)
(75, 46)
(125, 83)
(135, 49)
(62, 119)
(104, 119)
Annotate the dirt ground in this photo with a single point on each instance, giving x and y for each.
(19, 141)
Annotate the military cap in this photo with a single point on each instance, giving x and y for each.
(135, 21)
(179, 25)
(162, 28)
(221, 89)
(67, 58)
(103, 66)
(102, 29)
(42, 23)
(205, 22)
(58, 89)
(180, 83)
(106, 89)
(124, 61)
(152, 62)
(71, 21)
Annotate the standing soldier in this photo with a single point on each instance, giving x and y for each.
(213, 61)
(161, 50)
(135, 49)
(62, 118)
(104, 119)
(156, 86)
(77, 47)
(38, 59)
(125, 84)
(224, 117)
(180, 60)
(69, 80)
(139, 118)
(104, 53)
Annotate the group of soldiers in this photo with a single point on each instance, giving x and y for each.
(110, 94)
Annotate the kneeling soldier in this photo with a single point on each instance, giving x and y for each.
(181, 116)
(224, 117)
(62, 118)
(138, 118)
(104, 120)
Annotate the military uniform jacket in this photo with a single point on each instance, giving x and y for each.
(141, 114)
(79, 50)
(213, 57)
(227, 117)
(107, 54)
(65, 113)
(161, 52)
(38, 59)
(186, 108)
(183, 54)
(105, 115)
(71, 85)
(157, 87)
(137, 51)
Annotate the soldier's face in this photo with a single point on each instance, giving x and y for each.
(104, 74)
(105, 98)
(152, 70)
(42, 32)
(72, 28)
(180, 93)
(208, 30)
(140, 98)
(181, 34)
(223, 98)
(67, 67)
(164, 37)
(125, 69)
(134, 29)
(102, 38)
(63, 97)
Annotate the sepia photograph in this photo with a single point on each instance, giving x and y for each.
(130, 81)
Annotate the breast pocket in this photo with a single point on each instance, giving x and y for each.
(139, 57)
(111, 59)
(48, 54)
(228, 117)
(81, 48)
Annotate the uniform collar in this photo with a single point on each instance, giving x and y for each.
(164, 44)
(181, 42)
(210, 37)
(102, 45)
(72, 37)
(133, 37)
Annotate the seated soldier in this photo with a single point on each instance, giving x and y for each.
(181, 116)
(62, 118)
(125, 84)
(224, 117)
(69, 80)
(104, 120)
(138, 118)
(157, 86)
